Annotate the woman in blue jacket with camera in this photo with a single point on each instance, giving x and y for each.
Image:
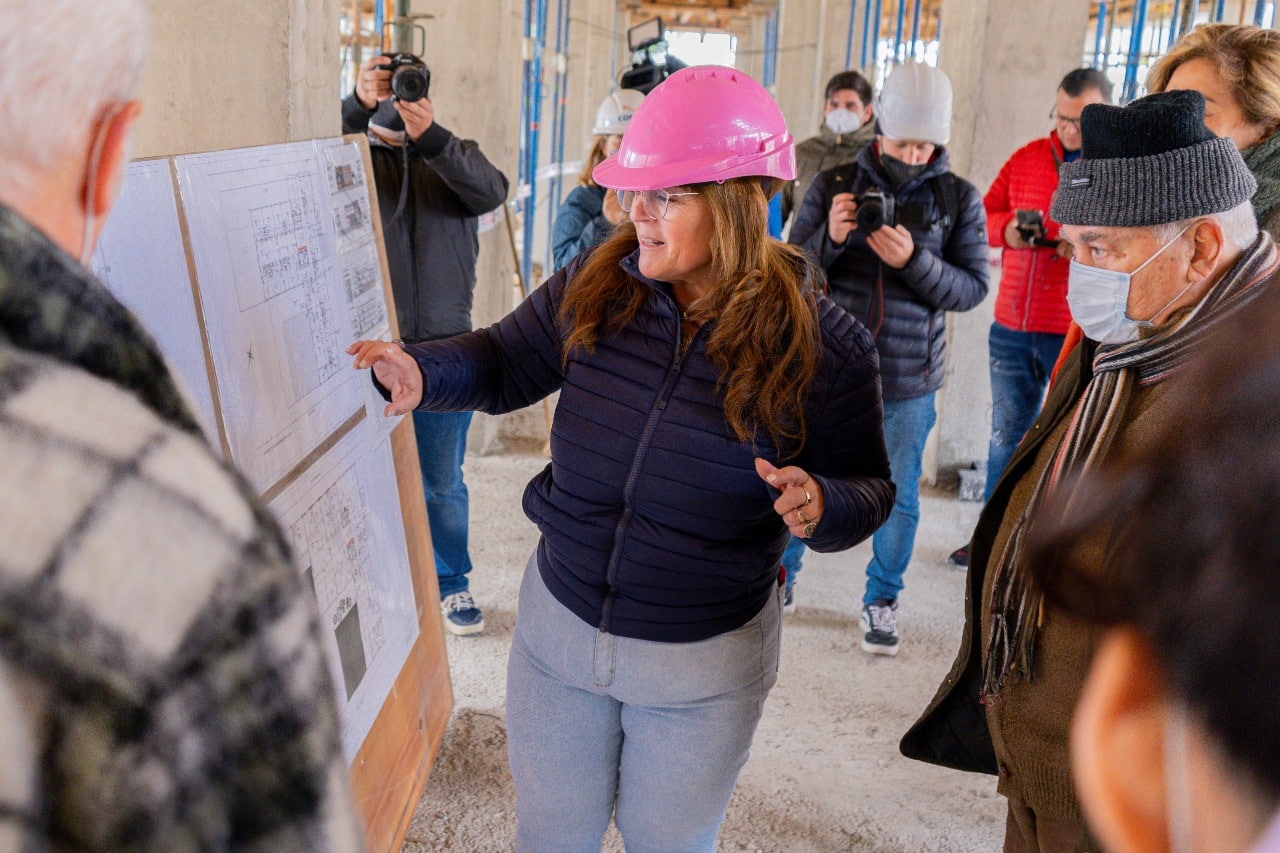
(711, 403)
(902, 241)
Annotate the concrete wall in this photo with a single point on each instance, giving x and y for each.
(234, 73)
(812, 40)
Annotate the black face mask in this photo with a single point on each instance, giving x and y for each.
(900, 173)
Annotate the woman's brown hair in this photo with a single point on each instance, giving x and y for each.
(594, 156)
(1247, 57)
(765, 339)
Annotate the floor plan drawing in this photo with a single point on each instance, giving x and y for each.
(275, 302)
(344, 522)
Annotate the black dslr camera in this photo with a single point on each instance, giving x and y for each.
(1030, 226)
(875, 210)
(410, 77)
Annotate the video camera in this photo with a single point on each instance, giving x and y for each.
(875, 210)
(410, 77)
(1030, 226)
(650, 62)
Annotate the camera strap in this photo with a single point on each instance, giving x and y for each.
(841, 182)
(947, 194)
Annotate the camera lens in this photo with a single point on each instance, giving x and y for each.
(409, 84)
(869, 215)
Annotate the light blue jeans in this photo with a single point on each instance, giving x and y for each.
(442, 443)
(906, 426)
(651, 733)
(1020, 366)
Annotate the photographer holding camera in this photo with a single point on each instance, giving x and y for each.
(432, 187)
(902, 241)
(1031, 315)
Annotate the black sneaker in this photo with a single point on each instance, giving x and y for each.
(959, 558)
(880, 621)
(461, 616)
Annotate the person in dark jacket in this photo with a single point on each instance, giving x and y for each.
(900, 277)
(712, 403)
(1149, 281)
(432, 244)
(589, 212)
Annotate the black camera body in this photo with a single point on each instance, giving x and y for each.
(1030, 226)
(410, 77)
(875, 210)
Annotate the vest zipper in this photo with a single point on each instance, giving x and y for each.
(642, 449)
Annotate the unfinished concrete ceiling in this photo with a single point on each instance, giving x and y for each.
(698, 14)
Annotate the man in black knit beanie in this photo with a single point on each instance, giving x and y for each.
(1165, 248)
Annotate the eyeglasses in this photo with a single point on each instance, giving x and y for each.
(1073, 122)
(655, 202)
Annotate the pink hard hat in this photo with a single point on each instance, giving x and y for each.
(703, 123)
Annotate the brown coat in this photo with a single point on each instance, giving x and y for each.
(1022, 736)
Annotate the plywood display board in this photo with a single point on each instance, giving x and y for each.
(255, 268)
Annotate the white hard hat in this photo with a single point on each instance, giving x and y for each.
(915, 104)
(614, 113)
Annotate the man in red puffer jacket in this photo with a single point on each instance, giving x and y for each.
(1031, 305)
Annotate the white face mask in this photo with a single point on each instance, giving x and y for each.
(843, 121)
(1099, 300)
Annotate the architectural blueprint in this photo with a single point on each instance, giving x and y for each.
(284, 293)
(343, 519)
(140, 258)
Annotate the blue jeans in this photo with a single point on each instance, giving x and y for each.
(906, 426)
(651, 733)
(442, 442)
(1020, 366)
(792, 557)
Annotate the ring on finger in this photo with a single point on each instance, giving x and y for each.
(809, 529)
(808, 498)
(800, 516)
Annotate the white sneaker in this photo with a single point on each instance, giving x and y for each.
(461, 616)
(880, 622)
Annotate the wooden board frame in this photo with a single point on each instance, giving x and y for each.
(390, 770)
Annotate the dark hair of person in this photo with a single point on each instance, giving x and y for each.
(1193, 561)
(849, 80)
(1247, 57)
(765, 339)
(1081, 80)
(594, 156)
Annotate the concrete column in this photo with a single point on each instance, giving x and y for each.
(239, 72)
(473, 51)
(1005, 58)
(812, 41)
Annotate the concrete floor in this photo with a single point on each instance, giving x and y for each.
(824, 774)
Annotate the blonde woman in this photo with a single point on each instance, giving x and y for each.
(1237, 69)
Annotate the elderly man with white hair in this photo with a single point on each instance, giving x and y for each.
(161, 680)
(1165, 249)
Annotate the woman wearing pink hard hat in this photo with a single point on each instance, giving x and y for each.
(711, 404)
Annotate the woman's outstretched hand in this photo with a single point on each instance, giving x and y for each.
(801, 502)
(395, 369)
